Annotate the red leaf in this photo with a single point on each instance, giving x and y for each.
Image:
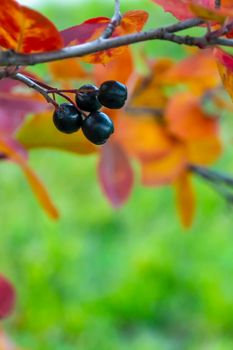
(83, 32)
(7, 297)
(15, 105)
(120, 69)
(180, 8)
(115, 174)
(132, 21)
(25, 30)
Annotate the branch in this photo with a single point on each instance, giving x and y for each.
(115, 21)
(156, 112)
(222, 183)
(11, 58)
(212, 176)
(217, 4)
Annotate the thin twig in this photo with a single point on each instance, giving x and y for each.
(212, 175)
(222, 183)
(50, 90)
(29, 82)
(115, 21)
(9, 58)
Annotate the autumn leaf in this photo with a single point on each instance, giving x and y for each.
(26, 30)
(181, 8)
(120, 69)
(133, 21)
(225, 67)
(16, 103)
(185, 199)
(115, 174)
(186, 119)
(149, 90)
(218, 15)
(208, 13)
(40, 132)
(198, 71)
(7, 297)
(204, 151)
(12, 150)
(164, 170)
(92, 29)
(71, 70)
(142, 137)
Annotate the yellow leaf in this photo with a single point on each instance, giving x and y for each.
(185, 199)
(40, 132)
(204, 151)
(164, 170)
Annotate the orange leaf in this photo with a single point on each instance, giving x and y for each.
(149, 90)
(164, 170)
(8, 148)
(133, 21)
(119, 69)
(40, 132)
(25, 30)
(187, 120)
(92, 29)
(142, 137)
(185, 199)
(198, 71)
(69, 70)
(225, 67)
(204, 151)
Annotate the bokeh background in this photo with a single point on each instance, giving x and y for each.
(104, 279)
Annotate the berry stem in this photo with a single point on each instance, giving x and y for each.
(50, 89)
(44, 85)
(32, 84)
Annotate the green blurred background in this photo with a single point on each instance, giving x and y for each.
(101, 279)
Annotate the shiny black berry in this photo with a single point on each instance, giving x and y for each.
(112, 94)
(67, 118)
(97, 127)
(86, 98)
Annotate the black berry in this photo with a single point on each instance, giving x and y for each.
(67, 118)
(86, 98)
(112, 94)
(97, 127)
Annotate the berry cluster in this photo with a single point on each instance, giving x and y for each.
(96, 126)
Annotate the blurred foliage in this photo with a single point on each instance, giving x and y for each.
(101, 279)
